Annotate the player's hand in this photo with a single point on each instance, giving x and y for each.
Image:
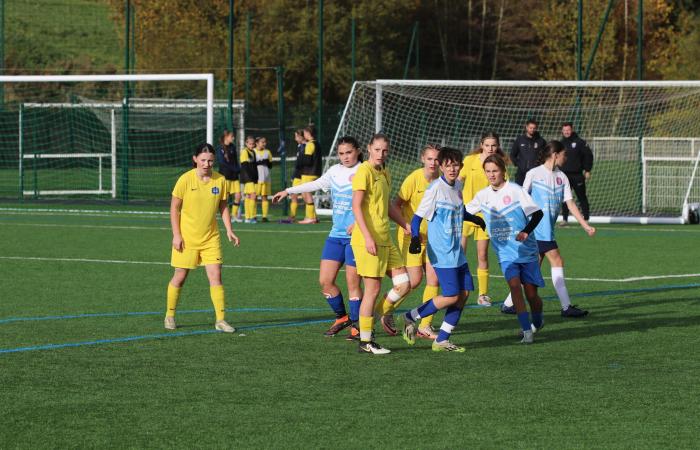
(587, 175)
(590, 230)
(414, 247)
(233, 238)
(407, 229)
(479, 221)
(521, 236)
(350, 228)
(178, 243)
(279, 196)
(371, 246)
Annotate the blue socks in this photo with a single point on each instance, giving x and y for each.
(426, 309)
(354, 309)
(337, 305)
(452, 316)
(524, 319)
(538, 319)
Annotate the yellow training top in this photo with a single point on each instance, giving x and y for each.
(247, 155)
(200, 203)
(411, 192)
(310, 148)
(375, 204)
(474, 177)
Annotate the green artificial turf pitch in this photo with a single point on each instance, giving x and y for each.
(85, 361)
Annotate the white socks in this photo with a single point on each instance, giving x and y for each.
(560, 287)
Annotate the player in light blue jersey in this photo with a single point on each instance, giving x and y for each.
(506, 207)
(337, 251)
(549, 188)
(443, 209)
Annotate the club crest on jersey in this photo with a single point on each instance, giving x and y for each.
(507, 200)
(535, 144)
(215, 190)
(573, 145)
(559, 181)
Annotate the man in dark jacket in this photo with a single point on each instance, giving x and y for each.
(577, 167)
(525, 149)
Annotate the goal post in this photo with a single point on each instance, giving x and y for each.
(114, 136)
(645, 135)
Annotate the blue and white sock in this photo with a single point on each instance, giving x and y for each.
(524, 319)
(452, 316)
(354, 304)
(426, 309)
(337, 305)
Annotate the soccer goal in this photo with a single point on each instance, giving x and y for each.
(111, 136)
(645, 136)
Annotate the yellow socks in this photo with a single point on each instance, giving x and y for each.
(293, 209)
(310, 211)
(265, 207)
(483, 276)
(366, 325)
(172, 298)
(429, 293)
(217, 298)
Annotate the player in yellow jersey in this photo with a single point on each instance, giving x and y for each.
(474, 179)
(375, 253)
(198, 195)
(249, 178)
(263, 162)
(407, 201)
(311, 166)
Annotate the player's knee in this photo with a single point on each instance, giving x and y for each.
(326, 285)
(451, 299)
(402, 284)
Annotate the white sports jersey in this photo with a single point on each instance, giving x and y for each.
(441, 207)
(337, 179)
(549, 189)
(505, 213)
(263, 171)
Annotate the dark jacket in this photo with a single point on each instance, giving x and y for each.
(227, 157)
(525, 151)
(249, 167)
(297, 163)
(579, 156)
(312, 164)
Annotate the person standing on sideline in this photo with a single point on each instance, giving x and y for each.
(249, 179)
(525, 149)
(296, 176)
(230, 168)
(311, 167)
(579, 158)
(263, 162)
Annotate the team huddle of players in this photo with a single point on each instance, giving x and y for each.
(438, 208)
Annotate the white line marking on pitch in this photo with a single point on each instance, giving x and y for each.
(231, 266)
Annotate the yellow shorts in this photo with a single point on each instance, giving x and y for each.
(409, 259)
(263, 189)
(387, 258)
(191, 258)
(469, 228)
(249, 188)
(296, 182)
(234, 187)
(307, 178)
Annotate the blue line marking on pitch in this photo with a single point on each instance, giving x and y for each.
(152, 336)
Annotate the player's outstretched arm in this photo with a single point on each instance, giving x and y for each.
(581, 220)
(476, 220)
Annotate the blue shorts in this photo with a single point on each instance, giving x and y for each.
(545, 246)
(529, 273)
(454, 280)
(338, 249)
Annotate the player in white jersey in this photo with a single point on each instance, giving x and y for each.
(337, 251)
(443, 209)
(506, 207)
(549, 187)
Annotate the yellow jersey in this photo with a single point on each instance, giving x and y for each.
(200, 203)
(411, 192)
(375, 204)
(309, 148)
(474, 176)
